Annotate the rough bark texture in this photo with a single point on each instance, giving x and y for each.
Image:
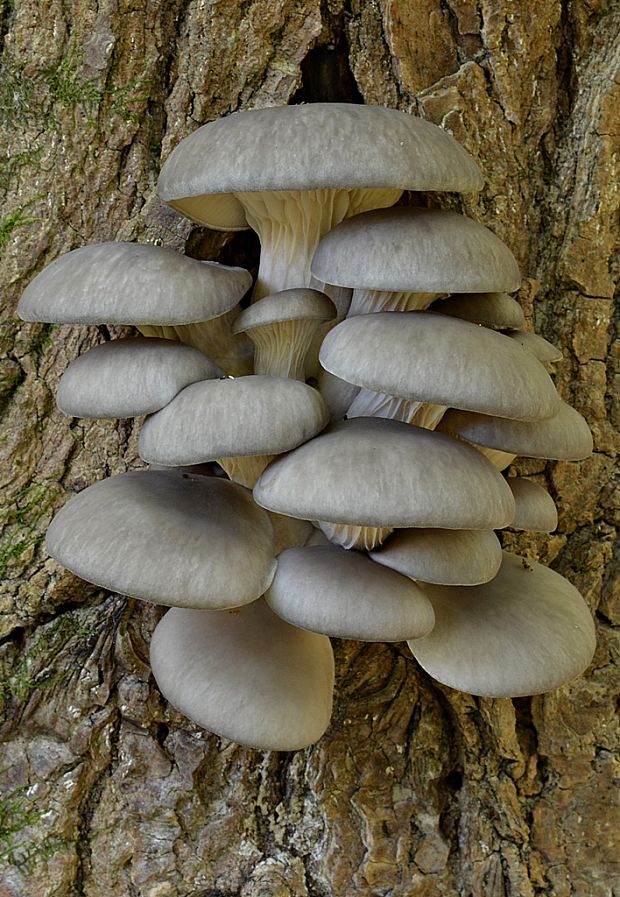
(416, 790)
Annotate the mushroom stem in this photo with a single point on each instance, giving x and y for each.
(377, 404)
(245, 469)
(232, 352)
(290, 225)
(281, 349)
(362, 538)
(365, 302)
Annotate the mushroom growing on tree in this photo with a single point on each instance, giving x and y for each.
(206, 545)
(290, 174)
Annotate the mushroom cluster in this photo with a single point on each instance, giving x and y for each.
(328, 458)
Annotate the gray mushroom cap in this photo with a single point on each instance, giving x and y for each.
(447, 557)
(287, 305)
(168, 537)
(499, 311)
(563, 437)
(307, 147)
(246, 675)
(253, 415)
(344, 594)
(535, 510)
(130, 377)
(376, 472)
(525, 632)
(430, 357)
(131, 283)
(415, 250)
(542, 349)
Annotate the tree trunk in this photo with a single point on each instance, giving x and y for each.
(416, 790)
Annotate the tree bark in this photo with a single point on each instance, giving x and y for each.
(416, 790)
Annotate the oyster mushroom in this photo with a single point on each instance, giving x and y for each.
(241, 423)
(130, 377)
(401, 259)
(163, 293)
(246, 675)
(526, 632)
(344, 594)
(445, 556)
(362, 478)
(282, 327)
(169, 537)
(290, 173)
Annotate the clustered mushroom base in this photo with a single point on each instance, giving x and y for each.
(376, 527)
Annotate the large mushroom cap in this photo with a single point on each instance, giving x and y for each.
(563, 437)
(131, 283)
(168, 537)
(376, 472)
(344, 594)
(430, 357)
(415, 250)
(447, 557)
(309, 147)
(212, 419)
(246, 675)
(130, 377)
(525, 632)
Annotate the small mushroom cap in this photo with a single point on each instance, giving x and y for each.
(338, 394)
(131, 283)
(495, 310)
(415, 250)
(564, 437)
(130, 377)
(377, 472)
(168, 537)
(443, 556)
(429, 357)
(308, 147)
(344, 594)
(287, 305)
(535, 510)
(213, 419)
(525, 632)
(540, 348)
(246, 675)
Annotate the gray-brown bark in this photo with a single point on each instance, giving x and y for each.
(416, 790)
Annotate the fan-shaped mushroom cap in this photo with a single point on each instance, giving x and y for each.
(308, 147)
(495, 310)
(415, 250)
(564, 437)
(432, 358)
(130, 377)
(376, 472)
(525, 632)
(542, 349)
(246, 675)
(168, 537)
(443, 556)
(344, 594)
(131, 283)
(220, 418)
(535, 510)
